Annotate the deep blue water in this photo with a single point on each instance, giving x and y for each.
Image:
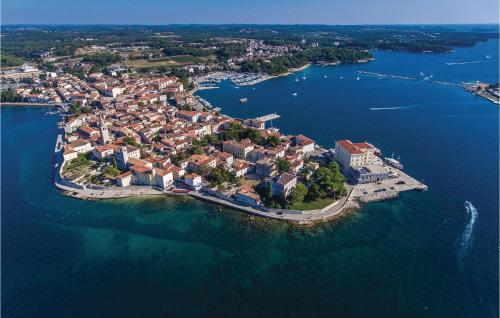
(182, 258)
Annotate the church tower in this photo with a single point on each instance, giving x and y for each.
(104, 131)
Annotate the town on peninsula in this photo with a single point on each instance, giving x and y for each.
(128, 130)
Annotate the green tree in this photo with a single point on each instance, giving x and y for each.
(282, 165)
(298, 193)
(272, 141)
(10, 96)
(314, 192)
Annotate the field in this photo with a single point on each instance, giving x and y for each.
(178, 60)
(314, 205)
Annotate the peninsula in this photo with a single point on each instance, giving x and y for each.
(126, 131)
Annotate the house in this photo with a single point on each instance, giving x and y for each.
(193, 181)
(205, 117)
(88, 132)
(101, 152)
(265, 167)
(69, 153)
(238, 149)
(163, 178)
(191, 116)
(73, 124)
(81, 146)
(182, 99)
(240, 167)
(197, 161)
(302, 144)
(283, 184)
(349, 154)
(175, 88)
(124, 179)
(247, 196)
(142, 175)
(225, 159)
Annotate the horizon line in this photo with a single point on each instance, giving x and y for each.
(259, 24)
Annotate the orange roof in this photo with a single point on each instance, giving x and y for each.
(124, 175)
(139, 169)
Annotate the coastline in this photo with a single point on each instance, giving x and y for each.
(19, 104)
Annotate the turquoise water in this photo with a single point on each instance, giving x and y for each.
(162, 257)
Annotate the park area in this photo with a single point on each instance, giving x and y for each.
(177, 60)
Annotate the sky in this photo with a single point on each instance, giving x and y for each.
(249, 11)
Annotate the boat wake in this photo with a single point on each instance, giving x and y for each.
(467, 236)
(391, 108)
(463, 63)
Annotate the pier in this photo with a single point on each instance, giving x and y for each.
(267, 117)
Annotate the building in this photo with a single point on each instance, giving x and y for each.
(163, 178)
(105, 138)
(197, 161)
(81, 146)
(283, 184)
(240, 167)
(193, 181)
(238, 149)
(191, 116)
(125, 153)
(265, 167)
(369, 173)
(247, 196)
(302, 144)
(88, 132)
(124, 179)
(101, 152)
(349, 154)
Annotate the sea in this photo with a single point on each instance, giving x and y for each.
(425, 254)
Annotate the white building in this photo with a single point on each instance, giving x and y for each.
(284, 184)
(238, 149)
(349, 154)
(193, 181)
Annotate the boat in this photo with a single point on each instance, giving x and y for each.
(394, 163)
(303, 77)
(326, 76)
(341, 77)
(296, 79)
(357, 78)
(243, 100)
(294, 94)
(488, 57)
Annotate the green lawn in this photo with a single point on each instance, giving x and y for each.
(314, 205)
(187, 59)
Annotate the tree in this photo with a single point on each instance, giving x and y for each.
(314, 192)
(10, 96)
(298, 193)
(272, 141)
(111, 171)
(10, 60)
(282, 165)
(102, 59)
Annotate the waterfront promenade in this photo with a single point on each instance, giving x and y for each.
(301, 217)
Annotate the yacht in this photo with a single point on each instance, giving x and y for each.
(243, 100)
(394, 163)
